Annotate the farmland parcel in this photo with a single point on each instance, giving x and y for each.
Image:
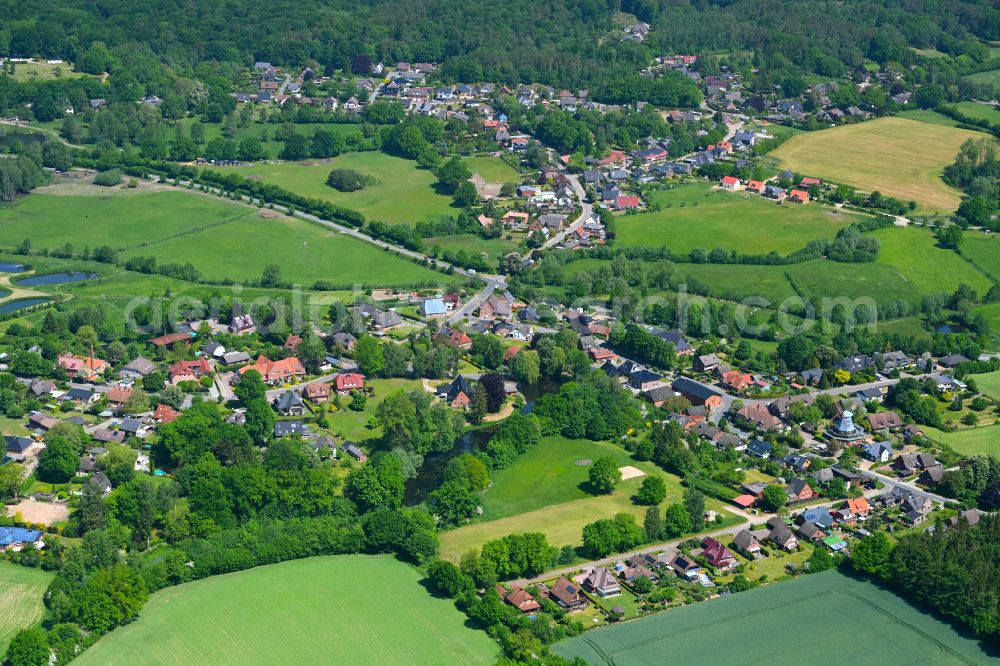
(343, 609)
(898, 157)
(825, 618)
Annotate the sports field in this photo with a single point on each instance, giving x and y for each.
(898, 157)
(545, 490)
(825, 618)
(403, 192)
(305, 252)
(348, 609)
(21, 592)
(698, 216)
(119, 218)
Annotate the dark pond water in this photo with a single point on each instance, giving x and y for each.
(14, 306)
(431, 473)
(6, 139)
(11, 268)
(55, 278)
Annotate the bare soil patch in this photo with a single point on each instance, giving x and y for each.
(629, 472)
(45, 513)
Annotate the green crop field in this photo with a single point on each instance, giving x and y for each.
(979, 111)
(925, 267)
(970, 441)
(493, 169)
(545, 490)
(822, 619)
(349, 609)
(21, 592)
(984, 251)
(899, 157)
(403, 192)
(696, 216)
(305, 252)
(119, 218)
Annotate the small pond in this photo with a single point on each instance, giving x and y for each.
(55, 278)
(6, 267)
(14, 306)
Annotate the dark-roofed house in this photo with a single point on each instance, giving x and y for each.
(458, 394)
(602, 582)
(718, 555)
(952, 361)
(290, 429)
(747, 543)
(760, 449)
(932, 475)
(799, 491)
(884, 421)
(101, 482)
(289, 403)
(783, 537)
(706, 362)
(698, 393)
(567, 594)
(139, 367)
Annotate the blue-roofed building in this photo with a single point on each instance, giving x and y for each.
(433, 307)
(16, 538)
(760, 449)
(877, 451)
(819, 516)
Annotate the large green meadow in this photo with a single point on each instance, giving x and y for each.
(825, 619)
(546, 490)
(403, 192)
(21, 593)
(348, 609)
(222, 239)
(697, 216)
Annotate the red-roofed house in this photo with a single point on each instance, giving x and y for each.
(171, 338)
(601, 354)
(87, 367)
(349, 381)
(718, 555)
(627, 202)
(188, 371)
(809, 182)
(511, 353)
(165, 414)
(730, 182)
(745, 501)
(118, 396)
(755, 186)
(799, 196)
(292, 343)
(316, 392)
(276, 372)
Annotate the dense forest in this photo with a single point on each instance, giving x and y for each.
(566, 43)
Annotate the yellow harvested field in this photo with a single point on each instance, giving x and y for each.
(898, 157)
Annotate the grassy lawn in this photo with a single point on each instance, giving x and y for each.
(403, 191)
(493, 169)
(992, 313)
(973, 440)
(353, 425)
(120, 218)
(831, 279)
(925, 267)
(899, 157)
(42, 71)
(979, 111)
(928, 116)
(305, 252)
(984, 251)
(495, 248)
(701, 217)
(989, 384)
(546, 491)
(776, 625)
(21, 592)
(350, 609)
(265, 132)
(991, 77)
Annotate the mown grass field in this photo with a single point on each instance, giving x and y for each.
(899, 157)
(991, 77)
(120, 218)
(984, 251)
(493, 169)
(240, 250)
(349, 609)
(698, 216)
(928, 116)
(43, 71)
(969, 442)
(546, 491)
(21, 592)
(777, 624)
(926, 268)
(403, 192)
(985, 112)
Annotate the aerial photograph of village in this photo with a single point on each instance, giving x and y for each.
(608, 332)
